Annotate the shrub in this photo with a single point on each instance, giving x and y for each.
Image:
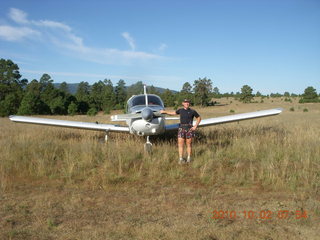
(72, 109)
(107, 110)
(292, 109)
(92, 112)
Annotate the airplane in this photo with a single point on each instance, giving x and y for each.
(143, 118)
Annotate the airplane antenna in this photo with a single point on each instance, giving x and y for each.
(145, 93)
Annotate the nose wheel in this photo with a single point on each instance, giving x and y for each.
(148, 146)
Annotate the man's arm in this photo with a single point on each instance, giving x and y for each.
(168, 112)
(197, 123)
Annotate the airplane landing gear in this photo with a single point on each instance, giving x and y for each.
(148, 146)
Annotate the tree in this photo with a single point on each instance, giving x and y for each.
(47, 91)
(216, 93)
(202, 89)
(57, 105)
(309, 95)
(64, 88)
(31, 102)
(185, 93)
(11, 91)
(108, 96)
(72, 109)
(246, 94)
(168, 98)
(55, 99)
(151, 90)
(286, 94)
(83, 97)
(258, 94)
(186, 88)
(121, 94)
(135, 89)
(9, 105)
(275, 95)
(97, 95)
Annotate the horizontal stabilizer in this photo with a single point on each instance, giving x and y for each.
(125, 117)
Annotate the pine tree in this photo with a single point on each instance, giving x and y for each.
(309, 95)
(121, 94)
(108, 96)
(246, 94)
(83, 97)
(202, 89)
(168, 98)
(11, 92)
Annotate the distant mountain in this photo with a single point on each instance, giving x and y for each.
(135, 88)
(72, 87)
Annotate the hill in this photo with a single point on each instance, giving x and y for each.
(135, 88)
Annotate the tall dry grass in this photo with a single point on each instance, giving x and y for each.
(280, 152)
(60, 183)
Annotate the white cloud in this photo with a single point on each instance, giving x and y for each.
(108, 55)
(9, 33)
(18, 16)
(52, 24)
(61, 36)
(130, 40)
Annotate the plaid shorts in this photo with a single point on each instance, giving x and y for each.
(184, 133)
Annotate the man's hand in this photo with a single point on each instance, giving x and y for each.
(193, 128)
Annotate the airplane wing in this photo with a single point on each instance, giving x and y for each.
(70, 124)
(231, 118)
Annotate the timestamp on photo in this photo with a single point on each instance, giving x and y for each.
(262, 214)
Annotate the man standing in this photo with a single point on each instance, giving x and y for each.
(186, 130)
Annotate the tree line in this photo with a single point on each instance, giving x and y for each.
(19, 96)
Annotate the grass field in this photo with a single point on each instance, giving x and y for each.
(256, 179)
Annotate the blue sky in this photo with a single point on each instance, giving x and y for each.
(272, 46)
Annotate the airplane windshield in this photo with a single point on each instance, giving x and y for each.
(140, 100)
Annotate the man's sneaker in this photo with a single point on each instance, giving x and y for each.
(182, 161)
(189, 159)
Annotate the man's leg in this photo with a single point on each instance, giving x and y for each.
(180, 147)
(189, 147)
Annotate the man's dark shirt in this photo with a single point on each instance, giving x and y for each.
(187, 115)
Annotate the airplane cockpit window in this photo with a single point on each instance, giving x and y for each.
(140, 100)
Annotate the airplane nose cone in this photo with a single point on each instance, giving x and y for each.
(147, 114)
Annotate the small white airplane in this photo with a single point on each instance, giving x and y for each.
(143, 118)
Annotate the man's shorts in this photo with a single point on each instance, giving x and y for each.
(185, 133)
